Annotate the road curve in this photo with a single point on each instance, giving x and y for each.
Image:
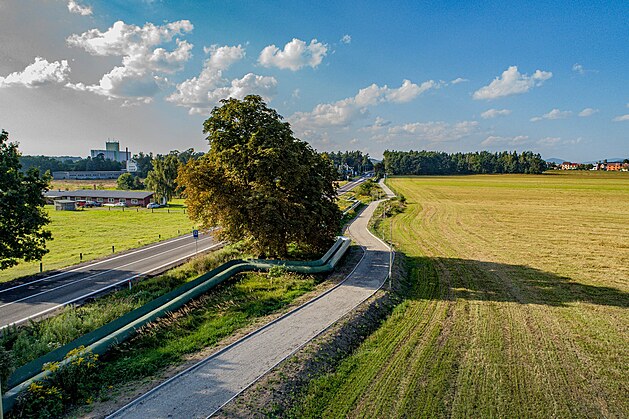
(203, 389)
(27, 300)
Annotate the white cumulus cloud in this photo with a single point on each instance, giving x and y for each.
(492, 113)
(203, 92)
(345, 111)
(295, 55)
(144, 61)
(459, 80)
(553, 114)
(37, 74)
(621, 118)
(346, 39)
(588, 112)
(433, 131)
(79, 9)
(511, 82)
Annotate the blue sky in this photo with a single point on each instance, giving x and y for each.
(551, 77)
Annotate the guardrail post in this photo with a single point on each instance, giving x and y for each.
(41, 267)
(112, 249)
(80, 256)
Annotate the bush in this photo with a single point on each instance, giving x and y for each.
(73, 383)
(39, 401)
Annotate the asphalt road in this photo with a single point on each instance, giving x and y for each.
(21, 302)
(350, 185)
(203, 389)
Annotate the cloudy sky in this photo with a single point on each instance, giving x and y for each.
(552, 77)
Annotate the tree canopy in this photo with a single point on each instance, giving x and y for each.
(22, 215)
(162, 179)
(259, 183)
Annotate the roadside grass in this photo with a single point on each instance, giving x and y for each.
(93, 231)
(518, 305)
(199, 325)
(28, 342)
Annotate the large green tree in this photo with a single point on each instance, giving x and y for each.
(162, 179)
(260, 183)
(22, 215)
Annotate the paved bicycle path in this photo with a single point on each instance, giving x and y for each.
(204, 388)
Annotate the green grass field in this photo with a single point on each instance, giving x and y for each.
(93, 231)
(517, 304)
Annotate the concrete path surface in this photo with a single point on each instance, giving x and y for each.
(204, 388)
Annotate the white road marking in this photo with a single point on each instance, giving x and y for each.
(106, 288)
(150, 247)
(90, 277)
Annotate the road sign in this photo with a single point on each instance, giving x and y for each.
(195, 234)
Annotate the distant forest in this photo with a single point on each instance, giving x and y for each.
(439, 163)
(44, 163)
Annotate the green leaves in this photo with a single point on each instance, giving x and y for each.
(22, 215)
(260, 183)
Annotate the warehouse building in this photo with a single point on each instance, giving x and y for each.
(129, 198)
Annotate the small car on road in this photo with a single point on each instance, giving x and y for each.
(152, 205)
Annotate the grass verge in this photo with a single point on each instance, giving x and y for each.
(168, 341)
(22, 344)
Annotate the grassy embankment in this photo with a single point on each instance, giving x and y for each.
(94, 230)
(518, 307)
(202, 323)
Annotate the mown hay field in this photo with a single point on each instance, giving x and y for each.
(517, 304)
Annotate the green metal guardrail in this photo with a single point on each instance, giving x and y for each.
(101, 339)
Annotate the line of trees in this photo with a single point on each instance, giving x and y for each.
(52, 164)
(440, 163)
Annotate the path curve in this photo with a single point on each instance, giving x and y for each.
(203, 389)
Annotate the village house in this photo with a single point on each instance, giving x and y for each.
(569, 166)
(617, 166)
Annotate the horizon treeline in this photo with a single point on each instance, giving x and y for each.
(45, 163)
(440, 163)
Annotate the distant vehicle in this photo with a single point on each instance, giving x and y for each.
(152, 205)
(94, 203)
(84, 204)
(120, 204)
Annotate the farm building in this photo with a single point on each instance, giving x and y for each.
(65, 205)
(130, 198)
(89, 174)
